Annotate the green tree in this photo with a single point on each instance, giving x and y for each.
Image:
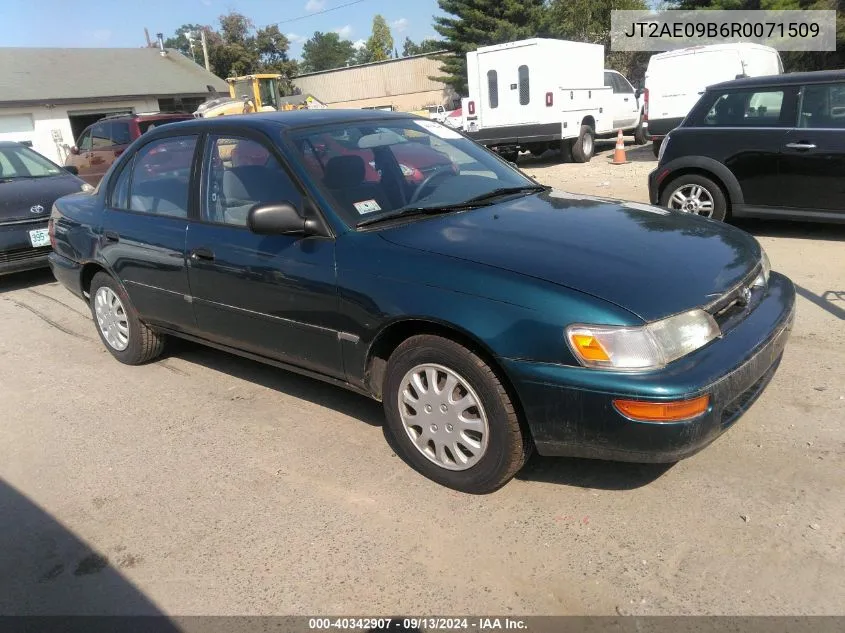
(426, 46)
(325, 51)
(470, 24)
(380, 43)
(179, 42)
(362, 56)
(589, 21)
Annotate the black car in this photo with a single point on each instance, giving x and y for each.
(29, 185)
(767, 147)
(490, 314)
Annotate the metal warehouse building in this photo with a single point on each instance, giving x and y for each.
(402, 84)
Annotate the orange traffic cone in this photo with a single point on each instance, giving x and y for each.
(619, 157)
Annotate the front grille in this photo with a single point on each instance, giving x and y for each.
(731, 307)
(23, 254)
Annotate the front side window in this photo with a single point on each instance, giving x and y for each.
(373, 168)
(524, 93)
(748, 108)
(161, 176)
(84, 142)
(21, 162)
(241, 173)
(822, 106)
(493, 88)
(101, 136)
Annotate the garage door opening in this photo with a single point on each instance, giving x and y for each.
(81, 120)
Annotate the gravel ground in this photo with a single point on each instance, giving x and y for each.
(208, 484)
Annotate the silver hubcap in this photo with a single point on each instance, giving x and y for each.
(692, 199)
(587, 145)
(443, 417)
(112, 319)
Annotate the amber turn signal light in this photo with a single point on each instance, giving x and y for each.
(589, 348)
(672, 411)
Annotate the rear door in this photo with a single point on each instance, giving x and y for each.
(144, 229)
(505, 80)
(812, 165)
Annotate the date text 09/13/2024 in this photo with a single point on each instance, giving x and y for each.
(421, 623)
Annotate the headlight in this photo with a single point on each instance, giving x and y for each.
(650, 346)
(662, 149)
(86, 187)
(762, 279)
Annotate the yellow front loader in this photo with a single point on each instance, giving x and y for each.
(250, 93)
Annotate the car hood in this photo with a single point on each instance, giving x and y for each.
(19, 196)
(647, 260)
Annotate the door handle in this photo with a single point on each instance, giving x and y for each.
(801, 146)
(202, 253)
(626, 98)
(111, 236)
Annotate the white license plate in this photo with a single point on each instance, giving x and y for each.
(39, 237)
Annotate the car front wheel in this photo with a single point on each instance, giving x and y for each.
(124, 335)
(450, 417)
(696, 194)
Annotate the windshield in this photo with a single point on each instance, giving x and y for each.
(17, 161)
(375, 168)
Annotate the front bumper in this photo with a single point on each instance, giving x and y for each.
(16, 251)
(570, 412)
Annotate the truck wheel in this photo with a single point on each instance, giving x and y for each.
(510, 156)
(566, 151)
(655, 147)
(584, 146)
(640, 135)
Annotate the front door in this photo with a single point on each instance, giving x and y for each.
(812, 164)
(82, 158)
(144, 228)
(272, 295)
(625, 106)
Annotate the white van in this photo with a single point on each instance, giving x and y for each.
(541, 93)
(675, 80)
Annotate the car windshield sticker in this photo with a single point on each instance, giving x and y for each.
(367, 206)
(438, 130)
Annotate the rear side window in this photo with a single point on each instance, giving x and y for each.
(749, 108)
(822, 106)
(161, 176)
(493, 88)
(524, 94)
(120, 133)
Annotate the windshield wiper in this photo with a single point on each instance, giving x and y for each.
(482, 200)
(432, 210)
(506, 191)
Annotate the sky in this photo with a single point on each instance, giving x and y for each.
(120, 23)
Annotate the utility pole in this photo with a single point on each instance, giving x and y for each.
(147, 35)
(205, 50)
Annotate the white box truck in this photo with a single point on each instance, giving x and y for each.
(541, 93)
(675, 80)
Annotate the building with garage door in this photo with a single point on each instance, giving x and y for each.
(49, 95)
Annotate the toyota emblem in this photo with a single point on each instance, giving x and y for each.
(746, 296)
(36, 209)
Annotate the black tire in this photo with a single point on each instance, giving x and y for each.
(143, 344)
(655, 147)
(640, 134)
(508, 445)
(511, 157)
(566, 151)
(720, 205)
(584, 146)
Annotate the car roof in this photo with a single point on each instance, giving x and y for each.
(290, 120)
(787, 79)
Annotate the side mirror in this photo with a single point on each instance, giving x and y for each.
(74, 150)
(278, 218)
(72, 169)
(638, 93)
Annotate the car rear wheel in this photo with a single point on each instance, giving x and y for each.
(450, 417)
(695, 194)
(129, 341)
(584, 146)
